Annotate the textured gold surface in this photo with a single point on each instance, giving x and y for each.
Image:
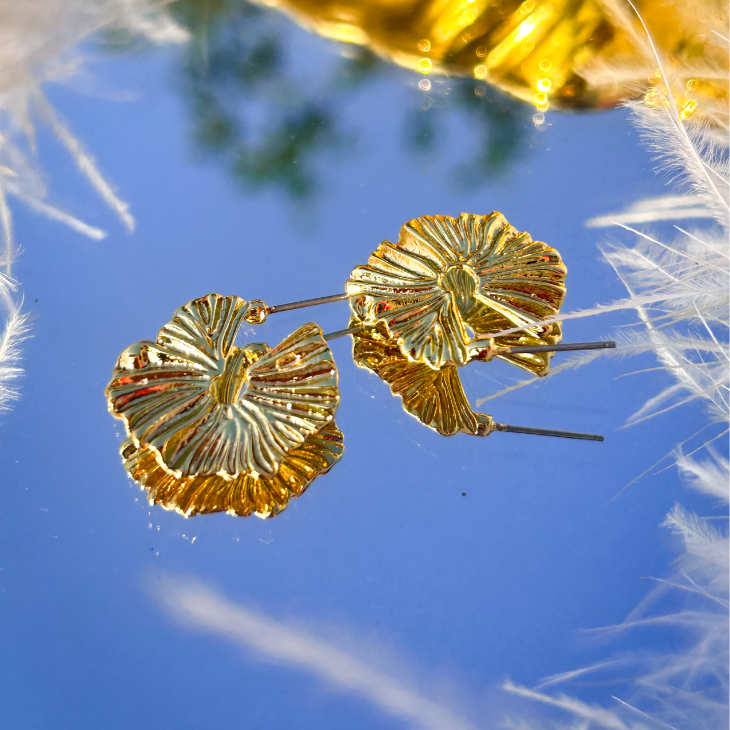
(561, 53)
(537, 363)
(256, 312)
(208, 407)
(449, 284)
(242, 495)
(434, 397)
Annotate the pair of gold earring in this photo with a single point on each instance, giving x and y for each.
(214, 427)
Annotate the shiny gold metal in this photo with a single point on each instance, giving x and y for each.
(521, 281)
(566, 54)
(450, 284)
(199, 406)
(435, 397)
(243, 495)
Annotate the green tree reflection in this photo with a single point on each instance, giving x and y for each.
(249, 112)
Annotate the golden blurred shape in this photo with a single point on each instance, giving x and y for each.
(200, 407)
(450, 284)
(588, 53)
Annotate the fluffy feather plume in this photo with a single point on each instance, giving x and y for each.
(679, 293)
(688, 151)
(687, 686)
(15, 330)
(38, 45)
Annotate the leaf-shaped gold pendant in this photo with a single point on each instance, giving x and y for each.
(450, 282)
(207, 407)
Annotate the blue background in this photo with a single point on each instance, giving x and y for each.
(384, 553)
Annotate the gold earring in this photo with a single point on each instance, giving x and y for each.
(438, 299)
(449, 284)
(434, 302)
(213, 427)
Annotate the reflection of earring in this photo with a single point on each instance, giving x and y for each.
(434, 397)
(213, 427)
(432, 302)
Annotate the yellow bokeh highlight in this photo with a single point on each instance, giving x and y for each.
(544, 85)
(652, 98)
(347, 33)
(525, 9)
(688, 108)
(425, 65)
(424, 45)
(525, 28)
(480, 71)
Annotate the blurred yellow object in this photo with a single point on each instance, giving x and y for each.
(569, 54)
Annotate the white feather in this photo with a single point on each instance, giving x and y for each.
(679, 291)
(38, 43)
(15, 330)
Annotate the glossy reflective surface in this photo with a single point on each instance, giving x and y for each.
(446, 276)
(405, 585)
(218, 428)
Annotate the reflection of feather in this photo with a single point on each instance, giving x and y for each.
(37, 45)
(669, 207)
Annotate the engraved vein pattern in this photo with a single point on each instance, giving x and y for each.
(166, 391)
(451, 280)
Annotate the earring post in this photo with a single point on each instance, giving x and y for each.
(516, 350)
(341, 333)
(562, 347)
(547, 432)
(305, 303)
